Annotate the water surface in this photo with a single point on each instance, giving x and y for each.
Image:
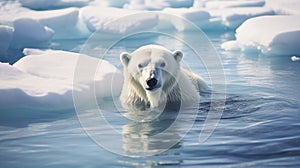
(259, 126)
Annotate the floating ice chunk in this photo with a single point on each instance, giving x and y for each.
(65, 22)
(106, 20)
(282, 38)
(284, 7)
(30, 33)
(61, 66)
(233, 4)
(234, 17)
(20, 90)
(199, 17)
(230, 46)
(295, 58)
(53, 4)
(44, 79)
(6, 35)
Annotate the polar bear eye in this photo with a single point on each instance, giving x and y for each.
(162, 64)
(140, 65)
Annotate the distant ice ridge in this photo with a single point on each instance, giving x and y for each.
(284, 7)
(45, 79)
(271, 35)
(53, 4)
(220, 15)
(23, 27)
(199, 17)
(233, 4)
(231, 18)
(146, 5)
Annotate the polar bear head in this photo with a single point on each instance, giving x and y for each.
(151, 71)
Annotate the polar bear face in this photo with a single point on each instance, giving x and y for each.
(152, 66)
(154, 79)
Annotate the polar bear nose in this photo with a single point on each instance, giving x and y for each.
(151, 82)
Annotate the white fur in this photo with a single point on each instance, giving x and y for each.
(177, 84)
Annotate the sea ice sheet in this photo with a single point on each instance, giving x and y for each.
(45, 79)
(282, 38)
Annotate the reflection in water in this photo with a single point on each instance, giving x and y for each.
(136, 133)
(153, 137)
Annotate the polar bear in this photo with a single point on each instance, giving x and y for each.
(154, 78)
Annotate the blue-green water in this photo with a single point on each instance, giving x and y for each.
(259, 126)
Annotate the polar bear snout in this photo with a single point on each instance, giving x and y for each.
(153, 80)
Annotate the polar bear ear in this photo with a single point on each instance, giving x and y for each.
(125, 58)
(178, 55)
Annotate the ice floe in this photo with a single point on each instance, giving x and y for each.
(45, 79)
(65, 22)
(295, 58)
(271, 35)
(106, 20)
(230, 46)
(231, 18)
(30, 33)
(200, 17)
(284, 7)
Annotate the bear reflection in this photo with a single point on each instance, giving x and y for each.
(143, 137)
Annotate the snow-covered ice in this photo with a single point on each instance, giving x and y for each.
(109, 3)
(199, 17)
(146, 5)
(282, 38)
(106, 20)
(284, 7)
(44, 79)
(65, 22)
(231, 13)
(230, 46)
(233, 17)
(233, 4)
(30, 33)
